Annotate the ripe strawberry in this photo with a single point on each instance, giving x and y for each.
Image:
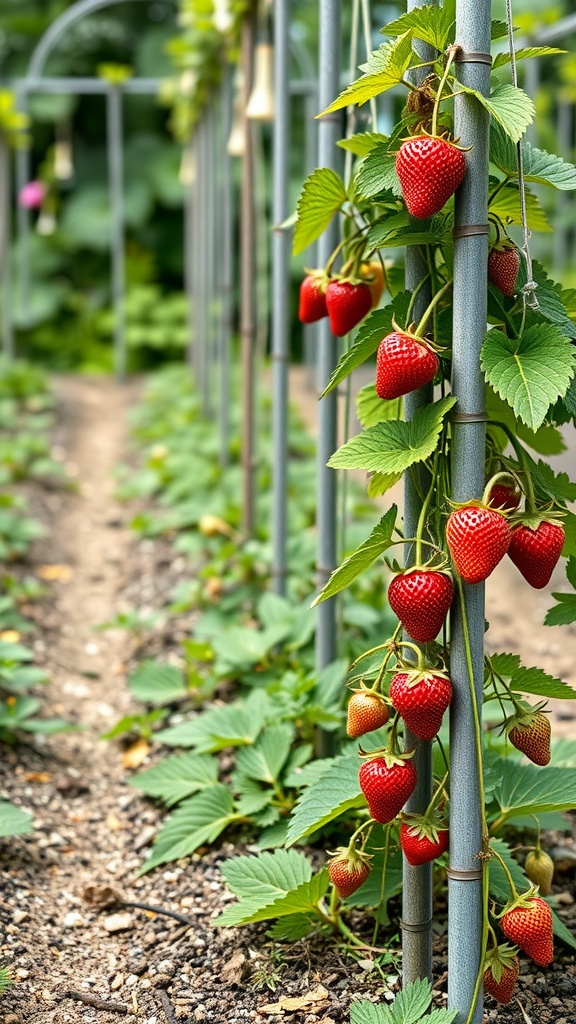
(530, 733)
(478, 538)
(421, 698)
(387, 783)
(348, 870)
(312, 305)
(503, 267)
(536, 552)
(374, 275)
(347, 305)
(539, 867)
(529, 925)
(422, 842)
(366, 711)
(504, 497)
(502, 968)
(421, 599)
(403, 363)
(430, 170)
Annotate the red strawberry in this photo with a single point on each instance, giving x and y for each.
(348, 870)
(366, 711)
(422, 842)
(430, 170)
(387, 783)
(539, 867)
(502, 968)
(503, 267)
(403, 363)
(312, 305)
(529, 925)
(421, 698)
(347, 305)
(504, 497)
(478, 538)
(536, 552)
(421, 599)
(530, 733)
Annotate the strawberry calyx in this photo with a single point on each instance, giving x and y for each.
(353, 856)
(499, 959)
(389, 755)
(533, 518)
(427, 825)
(321, 277)
(524, 715)
(442, 137)
(520, 901)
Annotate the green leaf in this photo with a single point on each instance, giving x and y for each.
(394, 446)
(379, 483)
(502, 59)
(508, 105)
(433, 25)
(506, 207)
(564, 612)
(503, 664)
(529, 789)
(569, 523)
(233, 725)
(265, 760)
(387, 66)
(14, 652)
(362, 143)
(337, 790)
(356, 563)
(155, 683)
(323, 193)
(197, 821)
(13, 820)
(177, 777)
(547, 440)
(376, 326)
(411, 1003)
(371, 409)
(549, 484)
(377, 173)
(529, 372)
(271, 885)
(535, 680)
(293, 927)
(362, 1011)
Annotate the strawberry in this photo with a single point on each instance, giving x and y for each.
(421, 599)
(366, 711)
(348, 870)
(347, 305)
(403, 363)
(504, 497)
(528, 923)
(539, 867)
(503, 267)
(387, 783)
(430, 170)
(374, 275)
(421, 698)
(478, 538)
(535, 552)
(312, 305)
(529, 731)
(501, 970)
(422, 841)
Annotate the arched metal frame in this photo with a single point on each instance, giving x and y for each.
(36, 82)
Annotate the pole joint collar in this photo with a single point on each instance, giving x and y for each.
(473, 57)
(421, 926)
(469, 417)
(467, 230)
(457, 875)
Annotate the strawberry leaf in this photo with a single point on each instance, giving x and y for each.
(508, 105)
(234, 725)
(564, 612)
(386, 65)
(377, 173)
(264, 761)
(323, 193)
(502, 59)
(539, 166)
(433, 25)
(371, 409)
(356, 563)
(336, 790)
(528, 789)
(271, 885)
(362, 143)
(177, 777)
(547, 440)
(529, 372)
(376, 326)
(506, 207)
(569, 524)
(549, 484)
(197, 821)
(535, 680)
(13, 820)
(394, 446)
(155, 683)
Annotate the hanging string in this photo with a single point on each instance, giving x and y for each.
(529, 290)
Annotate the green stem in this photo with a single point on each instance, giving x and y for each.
(424, 513)
(424, 319)
(522, 459)
(499, 187)
(504, 867)
(369, 821)
(383, 882)
(442, 83)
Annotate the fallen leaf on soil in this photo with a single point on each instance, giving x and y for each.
(233, 970)
(10, 636)
(136, 754)
(38, 777)
(58, 573)
(292, 1004)
(121, 922)
(113, 822)
(101, 895)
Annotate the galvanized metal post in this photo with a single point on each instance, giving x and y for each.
(5, 229)
(309, 330)
(247, 283)
(469, 328)
(189, 269)
(280, 291)
(23, 220)
(225, 236)
(199, 230)
(116, 182)
(208, 247)
(329, 131)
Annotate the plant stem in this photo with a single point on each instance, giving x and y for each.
(441, 84)
(430, 309)
(383, 881)
(424, 512)
(504, 867)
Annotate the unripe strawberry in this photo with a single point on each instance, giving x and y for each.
(387, 786)
(421, 698)
(478, 538)
(348, 870)
(421, 599)
(430, 170)
(539, 867)
(529, 925)
(503, 267)
(535, 552)
(530, 733)
(366, 711)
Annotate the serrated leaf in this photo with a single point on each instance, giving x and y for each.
(506, 207)
(538, 165)
(431, 24)
(376, 326)
(504, 664)
(13, 820)
(529, 789)
(362, 1011)
(371, 409)
(549, 484)
(234, 725)
(510, 106)
(381, 237)
(356, 563)
(569, 524)
(293, 927)
(523, 53)
(297, 901)
(362, 143)
(535, 680)
(411, 1003)
(379, 483)
(270, 880)
(264, 761)
(547, 440)
(394, 446)
(377, 173)
(273, 836)
(177, 777)
(155, 683)
(529, 372)
(387, 66)
(337, 790)
(564, 612)
(199, 820)
(323, 193)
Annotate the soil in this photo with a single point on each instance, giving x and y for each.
(76, 957)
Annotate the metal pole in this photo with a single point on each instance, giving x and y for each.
(469, 327)
(329, 131)
(116, 182)
(189, 270)
(417, 911)
(226, 237)
(564, 126)
(23, 222)
(280, 289)
(247, 283)
(5, 227)
(209, 238)
(309, 331)
(199, 262)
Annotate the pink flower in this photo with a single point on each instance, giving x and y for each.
(32, 195)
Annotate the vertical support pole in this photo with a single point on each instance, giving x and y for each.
(5, 228)
(329, 131)
(208, 236)
(189, 250)
(199, 262)
(309, 330)
(280, 290)
(23, 222)
(225, 235)
(468, 442)
(247, 283)
(564, 128)
(116, 184)
(416, 924)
